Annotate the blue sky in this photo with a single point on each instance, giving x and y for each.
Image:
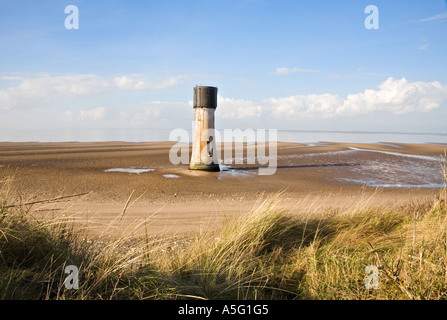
(303, 65)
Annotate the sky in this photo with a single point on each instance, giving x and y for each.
(286, 65)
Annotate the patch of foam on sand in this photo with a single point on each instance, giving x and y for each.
(130, 170)
(394, 170)
(227, 171)
(414, 156)
(375, 183)
(171, 176)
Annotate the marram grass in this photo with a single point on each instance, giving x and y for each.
(265, 253)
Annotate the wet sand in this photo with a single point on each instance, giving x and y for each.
(326, 175)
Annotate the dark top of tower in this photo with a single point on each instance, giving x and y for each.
(205, 97)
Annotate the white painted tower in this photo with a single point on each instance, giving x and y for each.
(204, 155)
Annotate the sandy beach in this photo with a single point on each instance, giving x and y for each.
(116, 185)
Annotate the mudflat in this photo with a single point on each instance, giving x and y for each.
(111, 186)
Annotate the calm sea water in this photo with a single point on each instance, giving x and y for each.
(150, 135)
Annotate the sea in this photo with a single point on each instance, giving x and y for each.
(152, 135)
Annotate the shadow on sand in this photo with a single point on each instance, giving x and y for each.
(300, 166)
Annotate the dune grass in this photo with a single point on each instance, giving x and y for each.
(265, 253)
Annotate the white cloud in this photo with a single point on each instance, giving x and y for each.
(392, 96)
(127, 82)
(136, 82)
(425, 46)
(45, 90)
(68, 116)
(396, 97)
(152, 111)
(284, 71)
(92, 114)
(301, 105)
(440, 16)
(237, 108)
(85, 115)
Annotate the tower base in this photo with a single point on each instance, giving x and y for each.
(205, 167)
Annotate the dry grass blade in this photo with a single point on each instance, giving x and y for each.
(126, 205)
(47, 200)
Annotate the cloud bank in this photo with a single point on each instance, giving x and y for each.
(393, 96)
(45, 90)
(83, 115)
(68, 94)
